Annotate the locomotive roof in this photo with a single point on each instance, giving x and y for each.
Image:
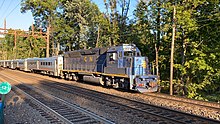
(82, 52)
(98, 51)
(124, 47)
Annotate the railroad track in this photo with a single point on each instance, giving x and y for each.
(143, 110)
(150, 112)
(54, 109)
(202, 104)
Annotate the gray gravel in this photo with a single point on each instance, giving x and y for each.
(120, 117)
(16, 111)
(115, 115)
(200, 111)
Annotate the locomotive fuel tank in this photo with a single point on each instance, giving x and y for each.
(92, 79)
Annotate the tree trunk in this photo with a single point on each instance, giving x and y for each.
(53, 48)
(183, 63)
(97, 40)
(157, 56)
(58, 48)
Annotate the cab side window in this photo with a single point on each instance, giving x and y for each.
(113, 56)
(120, 54)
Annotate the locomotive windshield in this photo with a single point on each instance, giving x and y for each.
(131, 53)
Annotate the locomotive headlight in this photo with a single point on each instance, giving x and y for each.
(144, 64)
(153, 84)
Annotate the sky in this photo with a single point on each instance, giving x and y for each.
(10, 10)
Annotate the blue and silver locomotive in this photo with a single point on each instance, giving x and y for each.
(118, 66)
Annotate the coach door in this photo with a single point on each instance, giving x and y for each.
(55, 67)
(37, 64)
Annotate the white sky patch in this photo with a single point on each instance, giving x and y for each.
(2, 36)
(146, 1)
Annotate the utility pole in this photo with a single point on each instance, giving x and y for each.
(32, 28)
(172, 51)
(15, 39)
(4, 25)
(18, 33)
(158, 36)
(4, 33)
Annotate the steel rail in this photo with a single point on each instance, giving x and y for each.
(94, 92)
(206, 104)
(109, 98)
(48, 109)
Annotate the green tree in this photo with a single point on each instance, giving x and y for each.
(83, 18)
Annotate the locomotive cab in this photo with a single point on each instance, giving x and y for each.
(126, 59)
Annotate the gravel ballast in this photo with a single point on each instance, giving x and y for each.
(16, 111)
(120, 117)
(200, 111)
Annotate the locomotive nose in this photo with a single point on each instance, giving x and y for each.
(146, 84)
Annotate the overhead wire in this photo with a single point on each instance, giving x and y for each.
(7, 8)
(13, 9)
(2, 4)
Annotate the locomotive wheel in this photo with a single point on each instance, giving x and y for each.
(108, 82)
(74, 77)
(102, 81)
(79, 77)
(126, 84)
(116, 85)
(65, 76)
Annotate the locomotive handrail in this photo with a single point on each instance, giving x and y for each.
(103, 64)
